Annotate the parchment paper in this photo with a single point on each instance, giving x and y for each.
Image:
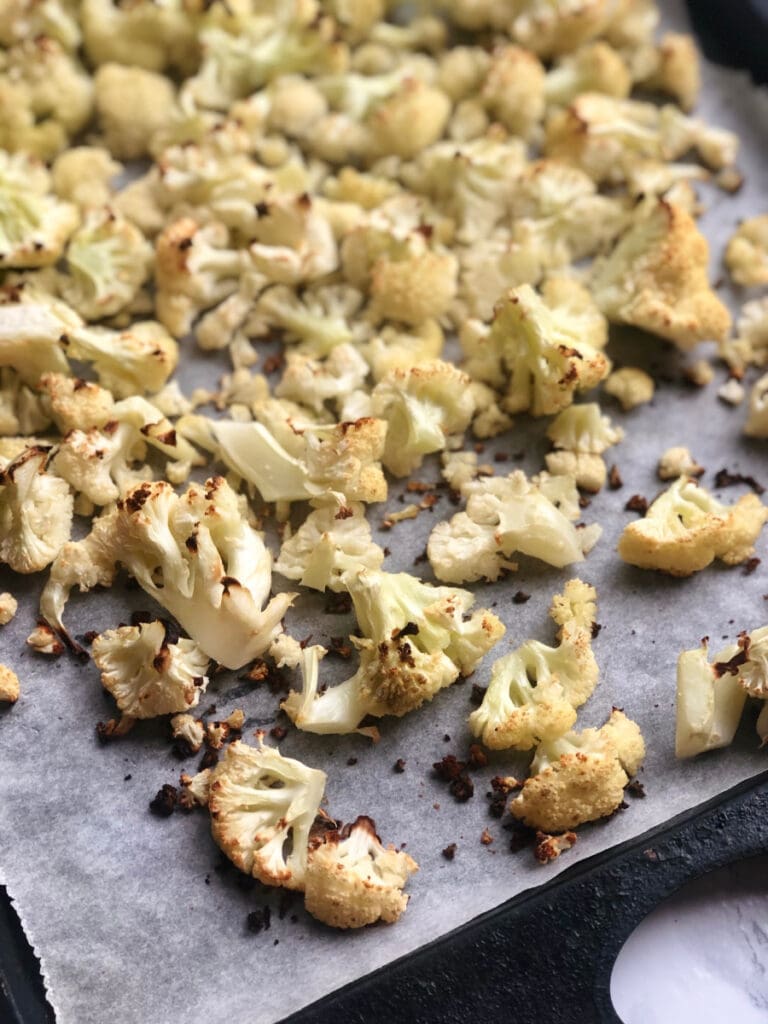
(133, 917)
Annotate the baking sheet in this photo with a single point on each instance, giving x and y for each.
(135, 919)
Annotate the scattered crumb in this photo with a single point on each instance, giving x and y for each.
(351, 761)
(486, 838)
(750, 566)
(44, 641)
(450, 851)
(259, 920)
(636, 788)
(520, 597)
(631, 387)
(278, 732)
(478, 692)
(614, 479)
(732, 392)
(637, 503)
(164, 801)
(547, 847)
(677, 462)
(399, 766)
(724, 478)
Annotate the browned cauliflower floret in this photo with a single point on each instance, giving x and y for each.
(414, 289)
(148, 672)
(9, 685)
(35, 512)
(746, 256)
(76, 403)
(580, 776)
(656, 278)
(686, 528)
(261, 805)
(188, 731)
(352, 880)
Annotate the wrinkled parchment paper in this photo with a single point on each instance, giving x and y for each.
(133, 917)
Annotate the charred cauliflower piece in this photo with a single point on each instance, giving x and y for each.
(656, 278)
(147, 672)
(580, 776)
(259, 803)
(685, 529)
(352, 880)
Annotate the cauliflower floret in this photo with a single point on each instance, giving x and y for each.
(709, 701)
(35, 512)
(413, 289)
(25, 19)
(22, 411)
(190, 732)
(128, 127)
(359, 188)
(43, 640)
(8, 606)
(462, 70)
(75, 402)
(148, 672)
(142, 33)
(413, 118)
(352, 880)
(332, 540)
(195, 554)
(34, 226)
(580, 776)
(259, 802)
(82, 175)
(31, 336)
(545, 348)
(685, 529)
(593, 68)
(746, 255)
(137, 360)
(10, 690)
(757, 420)
(459, 468)
(417, 640)
(314, 382)
(505, 515)
(677, 462)
(656, 278)
(395, 348)
(583, 428)
(513, 89)
(108, 261)
(426, 409)
(194, 270)
(587, 471)
(293, 243)
(46, 97)
(750, 346)
(320, 318)
(676, 69)
(630, 386)
(344, 457)
(552, 28)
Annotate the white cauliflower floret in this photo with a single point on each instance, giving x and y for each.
(675, 69)
(417, 639)
(332, 540)
(685, 529)
(8, 606)
(24, 19)
(513, 89)
(656, 278)
(141, 33)
(757, 420)
(108, 261)
(630, 386)
(676, 462)
(746, 255)
(128, 127)
(137, 360)
(319, 319)
(195, 554)
(76, 403)
(293, 243)
(352, 880)
(504, 515)
(553, 28)
(189, 731)
(588, 471)
(580, 776)
(397, 348)
(596, 67)
(583, 428)
(34, 226)
(46, 97)
(750, 346)
(83, 174)
(194, 270)
(22, 411)
(313, 382)
(709, 700)
(10, 691)
(35, 512)
(459, 468)
(148, 672)
(259, 802)
(543, 355)
(426, 408)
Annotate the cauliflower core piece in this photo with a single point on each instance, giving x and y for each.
(9, 685)
(580, 776)
(147, 673)
(262, 808)
(656, 278)
(352, 880)
(685, 529)
(709, 700)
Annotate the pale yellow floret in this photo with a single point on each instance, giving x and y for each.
(746, 255)
(9, 685)
(676, 462)
(630, 386)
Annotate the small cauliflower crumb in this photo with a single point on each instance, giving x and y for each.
(44, 641)
(630, 386)
(700, 373)
(8, 606)
(732, 392)
(677, 462)
(9, 685)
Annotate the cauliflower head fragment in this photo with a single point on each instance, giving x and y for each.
(10, 691)
(746, 255)
(137, 360)
(685, 529)
(352, 880)
(34, 225)
(709, 700)
(263, 805)
(580, 777)
(656, 278)
(36, 510)
(148, 672)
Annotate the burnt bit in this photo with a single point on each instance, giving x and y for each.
(399, 766)
(520, 597)
(409, 629)
(164, 801)
(614, 479)
(278, 732)
(462, 789)
(257, 672)
(209, 759)
(87, 638)
(453, 771)
(501, 457)
(138, 497)
(635, 788)
(521, 837)
(351, 762)
(637, 503)
(547, 847)
(259, 920)
(344, 513)
(338, 604)
(485, 837)
(339, 647)
(477, 694)
(420, 559)
(596, 627)
(450, 851)
(750, 566)
(724, 478)
(584, 502)
(274, 363)
(732, 666)
(477, 756)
